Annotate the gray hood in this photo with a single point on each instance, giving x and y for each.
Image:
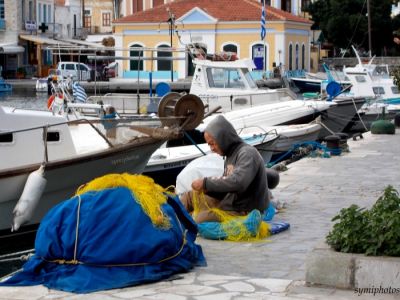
(224, 133)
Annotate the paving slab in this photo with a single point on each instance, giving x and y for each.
(314, 190)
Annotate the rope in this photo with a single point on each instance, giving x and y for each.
(358, 114)
(24, 256)
(193, 142)
(75, 260)
(315, 145)
(319, 121)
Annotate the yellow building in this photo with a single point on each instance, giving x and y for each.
(223, 25)
(99, 15)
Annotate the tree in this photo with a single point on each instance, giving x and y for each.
(345, 23)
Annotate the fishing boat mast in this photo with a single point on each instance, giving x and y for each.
(369, 29)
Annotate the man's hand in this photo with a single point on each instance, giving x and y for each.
(197, 184)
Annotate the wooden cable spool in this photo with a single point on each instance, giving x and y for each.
(188, 107)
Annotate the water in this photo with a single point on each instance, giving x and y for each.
(24, 99)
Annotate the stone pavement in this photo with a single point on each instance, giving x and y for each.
(314, 190)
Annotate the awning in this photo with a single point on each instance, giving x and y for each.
(11, 49)
(84, 43)
(41, 40)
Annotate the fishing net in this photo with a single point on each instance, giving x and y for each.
(149, 195)
(250, 227)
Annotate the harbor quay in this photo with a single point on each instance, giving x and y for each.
(114, 85)
(311, 191)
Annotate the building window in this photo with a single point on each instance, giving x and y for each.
(290, 57)
(297, 57)
(30, 10)
(164, 65)
(259, 52)
(40, 13)
(88, 18)
(2, 15)
(157, 2)
(44, 20)
(230, 48)
(136, 65)
(88, 21)
(286, 5)
(49, 13)
(303, 56)
(137, 5)
(305, 4)
(106, 19)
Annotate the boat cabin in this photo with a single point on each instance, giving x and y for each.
(230, 84)
(19, 135)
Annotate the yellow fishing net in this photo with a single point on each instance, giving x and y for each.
(235, 228)
(149, 195)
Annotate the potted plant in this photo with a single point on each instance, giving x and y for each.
(372, 232)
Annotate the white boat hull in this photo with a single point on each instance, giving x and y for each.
(63, 178)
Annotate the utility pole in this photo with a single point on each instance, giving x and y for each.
(369, 30)
(171, 23)
(54, 19)
(83, 14)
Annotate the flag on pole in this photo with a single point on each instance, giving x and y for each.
(263, 31)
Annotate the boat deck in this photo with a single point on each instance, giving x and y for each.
(314, 190)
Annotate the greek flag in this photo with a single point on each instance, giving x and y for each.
(78, 92)
(263, 31)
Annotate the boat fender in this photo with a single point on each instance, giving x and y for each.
(33, 190)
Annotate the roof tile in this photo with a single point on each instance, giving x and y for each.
(222, 10)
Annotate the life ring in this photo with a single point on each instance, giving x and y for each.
(51, 99)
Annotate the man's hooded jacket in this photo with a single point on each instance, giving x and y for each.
(243, 187)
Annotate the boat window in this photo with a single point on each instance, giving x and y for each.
(381, 71)
(249, 79)
(378, 90)
(360, 78)
(224, 78)
(53, 136)
(6, 138)
(395, 90)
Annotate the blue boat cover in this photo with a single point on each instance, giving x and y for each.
(103, 240)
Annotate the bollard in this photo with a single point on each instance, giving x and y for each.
(397, 120)
(333, 144)
(343, 141)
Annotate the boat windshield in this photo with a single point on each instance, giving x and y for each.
(249, 79)
(225, 78)
(381, 71)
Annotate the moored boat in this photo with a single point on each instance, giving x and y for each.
(69, 153)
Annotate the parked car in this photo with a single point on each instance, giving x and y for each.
(78, 71)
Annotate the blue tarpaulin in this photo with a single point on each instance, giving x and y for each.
(104, 240)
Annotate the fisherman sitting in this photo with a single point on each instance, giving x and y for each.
(243, 187)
